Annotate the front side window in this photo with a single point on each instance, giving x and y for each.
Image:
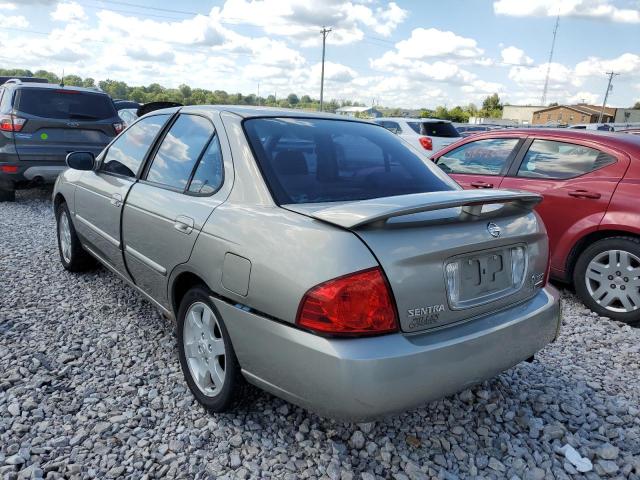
(180, 150)
(127, 152)
(559, 160)
(482, 157)
(316, 160)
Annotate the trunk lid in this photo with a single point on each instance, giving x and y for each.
(424, 241)
(60, 121)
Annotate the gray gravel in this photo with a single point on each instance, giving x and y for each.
(90, 386)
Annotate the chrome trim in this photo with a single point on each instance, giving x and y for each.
(146, 260)
(99, 231)
(148, 297)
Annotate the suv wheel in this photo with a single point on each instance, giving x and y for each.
(7, 195)
(207, 357)
(73, 257)
(607, 278)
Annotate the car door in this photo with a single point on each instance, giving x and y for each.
(576, 179)
(100, 193)
(166, 209)
(481, 163)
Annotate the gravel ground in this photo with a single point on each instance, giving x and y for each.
(91, 387)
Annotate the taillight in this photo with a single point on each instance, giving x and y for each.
(10, 123)
(426, 143)
(8, 168)
(118, 127)
(357, 304)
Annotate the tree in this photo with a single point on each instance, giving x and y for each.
(305, 99)
(73, 80)
(185, 90)
(636, 106)
(293, 99)
(553, 104)
(491, 107)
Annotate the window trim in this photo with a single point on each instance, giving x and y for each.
(105, 152)
(142, 178)
(507, 163)
(515, 168)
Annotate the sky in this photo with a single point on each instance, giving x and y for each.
(407, 53)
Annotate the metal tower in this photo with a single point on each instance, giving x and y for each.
(546, 79)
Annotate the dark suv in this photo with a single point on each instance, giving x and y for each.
(41, 123)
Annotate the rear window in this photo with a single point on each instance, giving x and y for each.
(434, 129)
(65, 104)
(317, 160)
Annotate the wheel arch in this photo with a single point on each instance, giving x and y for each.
(587, 240)
(58, 200)
(183, 282)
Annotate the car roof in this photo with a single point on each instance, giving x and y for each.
(606, 138)
(55, 86)
(257, 112)
(411, 119)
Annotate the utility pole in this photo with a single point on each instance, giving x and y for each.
(546, 78)
(606, 94)
(325, 31)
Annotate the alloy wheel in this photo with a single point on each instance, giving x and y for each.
(64, 234)
(204, 349)
(613, 280)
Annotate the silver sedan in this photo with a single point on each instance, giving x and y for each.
(319, 258)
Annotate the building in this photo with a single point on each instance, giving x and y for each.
(570, 114)
(627, 115)
(520, 114)
(360, 112)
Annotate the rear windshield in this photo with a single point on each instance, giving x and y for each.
(317, 160)
(434, 129)
(64, 104)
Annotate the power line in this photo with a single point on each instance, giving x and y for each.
(325, 31)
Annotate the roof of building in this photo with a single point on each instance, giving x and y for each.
(582, 108)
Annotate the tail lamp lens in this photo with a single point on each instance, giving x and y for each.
(426, 143)
(9, 123)
(354, 305)
(518, 266)
(8, 168)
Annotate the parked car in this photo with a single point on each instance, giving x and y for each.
(467, 129)
(427, 134)
(352, 278)
(40, 123)
(128, 115)
(631, 131)
(590, 184)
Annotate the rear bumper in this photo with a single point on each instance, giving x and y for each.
(360, 379)
(45, 172)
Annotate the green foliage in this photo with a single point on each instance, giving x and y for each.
(636, 106)
(491, 107)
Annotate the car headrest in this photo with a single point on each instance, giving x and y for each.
(290, 162)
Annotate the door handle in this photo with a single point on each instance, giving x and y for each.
(183, 224)
(584, 194)
(116, 200)
(481, 185)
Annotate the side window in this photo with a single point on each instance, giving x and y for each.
(209, 173)
(391, 126)
(127, 153)
(559, 160)
(180, 150)
(482, 157)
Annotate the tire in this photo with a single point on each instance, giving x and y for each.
(7, 195)
(199, 355)
(72, 256)
(613, 286)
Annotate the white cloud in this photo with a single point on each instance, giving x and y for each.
(13, 21)
(596, 9)
(585, 97)
(432, 42)
(302, 19)
(8, 6)
(626, 64)
(560, 76)
(515, 56)
(69, 12)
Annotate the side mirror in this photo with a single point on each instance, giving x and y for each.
(81, 160)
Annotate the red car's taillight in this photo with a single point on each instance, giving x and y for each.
(426, 143)
(10, 123)
(118, 127)
(357, 304)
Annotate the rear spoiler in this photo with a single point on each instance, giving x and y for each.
(356, 214)
(153, 106)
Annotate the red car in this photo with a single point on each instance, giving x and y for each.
(591, 186)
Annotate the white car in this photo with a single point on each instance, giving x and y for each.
(427, 134)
